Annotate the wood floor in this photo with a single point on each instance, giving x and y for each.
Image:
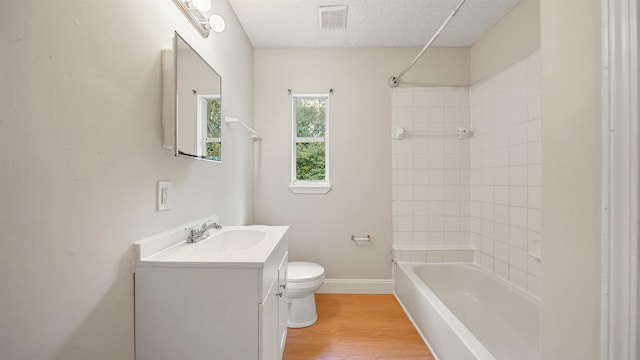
(357, 327)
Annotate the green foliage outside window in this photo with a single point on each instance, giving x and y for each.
(310, 162)
(310, 117)
(310, 123)
(214, 126)
(213, 151)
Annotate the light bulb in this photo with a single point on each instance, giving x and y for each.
(216, 22)
(203, 6)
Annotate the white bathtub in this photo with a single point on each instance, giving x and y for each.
(463, 312)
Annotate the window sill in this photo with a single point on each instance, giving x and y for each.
(310, 188)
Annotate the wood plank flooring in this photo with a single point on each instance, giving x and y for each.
(357, 327)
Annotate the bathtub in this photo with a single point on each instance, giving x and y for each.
(463, 312)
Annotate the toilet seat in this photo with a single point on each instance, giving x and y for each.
(304, 272)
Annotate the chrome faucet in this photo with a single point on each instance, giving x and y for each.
(196, 235)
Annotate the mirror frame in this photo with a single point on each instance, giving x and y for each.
(177, 151)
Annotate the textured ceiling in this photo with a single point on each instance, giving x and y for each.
(370, 23)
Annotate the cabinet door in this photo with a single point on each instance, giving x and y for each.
(282, 305)
(269, 324)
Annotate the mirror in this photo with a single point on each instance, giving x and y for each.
(198, 111)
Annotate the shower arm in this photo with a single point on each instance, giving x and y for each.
(394, 81)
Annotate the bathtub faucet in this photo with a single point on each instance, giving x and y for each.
(196, 235)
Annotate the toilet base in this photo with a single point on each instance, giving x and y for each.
(302, 311)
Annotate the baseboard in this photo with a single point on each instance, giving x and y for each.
(357, 286)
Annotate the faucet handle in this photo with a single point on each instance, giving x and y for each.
(205, 225)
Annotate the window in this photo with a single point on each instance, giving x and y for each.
(210, 116)
(310, 160)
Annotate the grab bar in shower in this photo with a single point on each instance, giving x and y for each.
(463, 133)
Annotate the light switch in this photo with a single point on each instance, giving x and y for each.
(165, 195)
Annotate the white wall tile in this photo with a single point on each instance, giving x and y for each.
(518, 196)
(435, 114)
(403, 238)
(403, 99)
(501, 175)
(518, 216)
(518, 176)
(501, 214)
(501, 233)
(534, 220)
(436, 208)
(486, 261)
(420, 192)
(405, 192)
(436, 238)
(449, 256)
(535, 197)
(533, 266)
(501, 251)
(501, 195)
(404, 116)
(518, 112)
(518, 155)
(403, 208)
(418, 208)
(518, 134)
(518, 237)
(518, 278)
(436, 192)
(434, 256)
(466, 256)
(418, 256)
(501, 269)
(518, 258)
(534, 108)
(436, 223)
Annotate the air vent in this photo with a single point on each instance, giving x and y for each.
(333, 17)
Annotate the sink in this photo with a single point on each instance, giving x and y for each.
(229, 240)
(229, 246)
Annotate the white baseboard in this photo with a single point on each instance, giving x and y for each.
(357, 286)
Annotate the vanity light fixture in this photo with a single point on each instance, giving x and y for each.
(200, 15)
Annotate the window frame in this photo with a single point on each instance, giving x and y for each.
(309, 186)
(203, 138)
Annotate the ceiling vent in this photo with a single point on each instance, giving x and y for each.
(333, 17)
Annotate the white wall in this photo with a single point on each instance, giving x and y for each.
(360, 116)
(80, 152)
(515, 36)
(570, 54)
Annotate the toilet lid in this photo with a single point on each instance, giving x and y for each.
(299, 271)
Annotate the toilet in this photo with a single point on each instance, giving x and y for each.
(303, 279)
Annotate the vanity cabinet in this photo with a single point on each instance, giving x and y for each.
(217, 310)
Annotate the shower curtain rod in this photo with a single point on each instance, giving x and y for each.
(394, 81)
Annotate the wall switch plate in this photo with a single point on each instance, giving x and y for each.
(165, 195)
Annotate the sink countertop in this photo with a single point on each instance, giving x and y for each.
(170, 249)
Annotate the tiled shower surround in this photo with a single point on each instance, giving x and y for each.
(482, 194)
(431, 175)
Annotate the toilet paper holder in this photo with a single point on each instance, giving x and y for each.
(365, 238)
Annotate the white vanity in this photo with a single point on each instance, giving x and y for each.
(223, 297)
